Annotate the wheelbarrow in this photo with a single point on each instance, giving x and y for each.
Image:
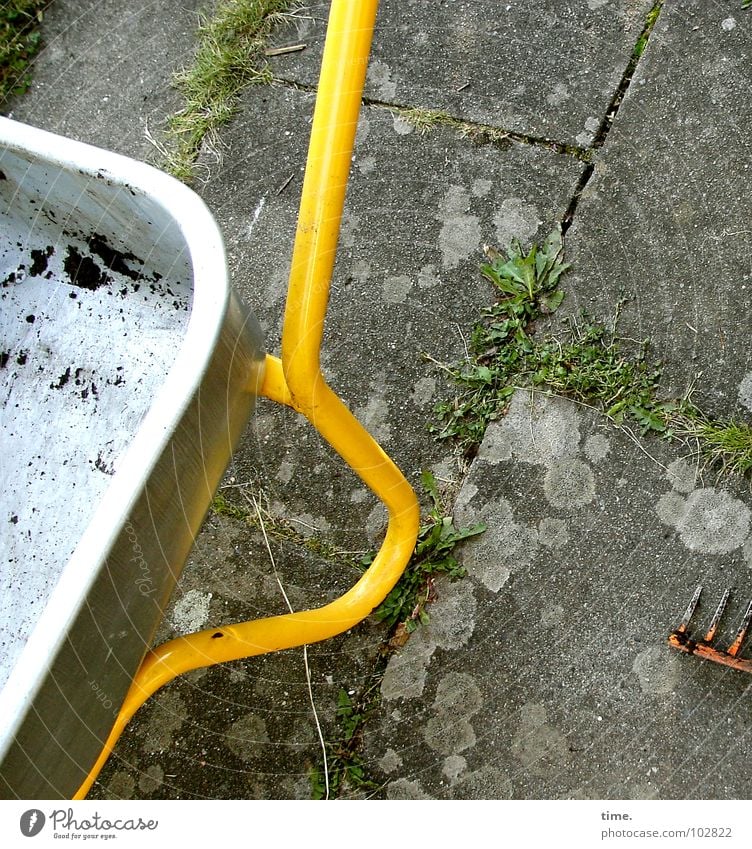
(130, 368)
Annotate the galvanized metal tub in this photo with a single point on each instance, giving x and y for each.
(128, 370)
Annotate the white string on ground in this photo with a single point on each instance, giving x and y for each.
(319, 732)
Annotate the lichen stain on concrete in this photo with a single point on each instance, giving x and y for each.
(376, 522)
(516, 219)
(708, 520)
(553, 533)
(488, 782)
(151, 779)
(671, 508)
(682, 475)
(535, 430)
(166, 716)
(349, 229)
(404, 789)
(402, 126)
(363, 130)
(122, 785)
(481, 187)
(390, 761)
(596, 447)
(505, 546)
(360, 271)
(405, 675)
(558, 95)
(247, 737)
(380, 77)
(452, 619)
(585, 138)
(658, 670)
(569, 484)
(423, 391)
(366, 165)
(745, 391)
(537, 745)
(191, 612)
(374, 414)
(396, 289)
(552, 616)
(427, 278)
(453, 767)
(460, 233)
(458, 699)
(450, 627)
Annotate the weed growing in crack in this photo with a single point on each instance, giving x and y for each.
(527, 285)
(346, 768)
(281, 529)
(405, 606)
(587, 365)
(403, 610)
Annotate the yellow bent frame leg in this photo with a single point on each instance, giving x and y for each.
(296, 381)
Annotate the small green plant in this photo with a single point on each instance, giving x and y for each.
(19, 42)
(588, 365)
(220, 506)
(642, 41)
(434, 555)
(228, 58)
(345, 767)
(527, 287)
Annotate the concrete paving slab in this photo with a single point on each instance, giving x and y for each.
(406, 280)
(103, 75)
(664, 221)
(543, 69)
(545, 674)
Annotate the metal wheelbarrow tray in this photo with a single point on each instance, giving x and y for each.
(128, 370)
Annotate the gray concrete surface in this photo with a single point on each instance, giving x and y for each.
(544, 673)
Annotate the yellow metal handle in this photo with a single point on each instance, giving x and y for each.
(296, 381)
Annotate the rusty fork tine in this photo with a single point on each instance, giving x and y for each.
(734, 648)
(689, 611)
(717, 617)
(681, 640)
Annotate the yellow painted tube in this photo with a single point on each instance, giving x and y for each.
(296, 381)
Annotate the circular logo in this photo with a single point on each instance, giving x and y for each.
(32, 822)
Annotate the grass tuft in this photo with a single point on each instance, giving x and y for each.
(229, 57)
(20, 41)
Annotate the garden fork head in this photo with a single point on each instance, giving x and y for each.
(680, 639)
